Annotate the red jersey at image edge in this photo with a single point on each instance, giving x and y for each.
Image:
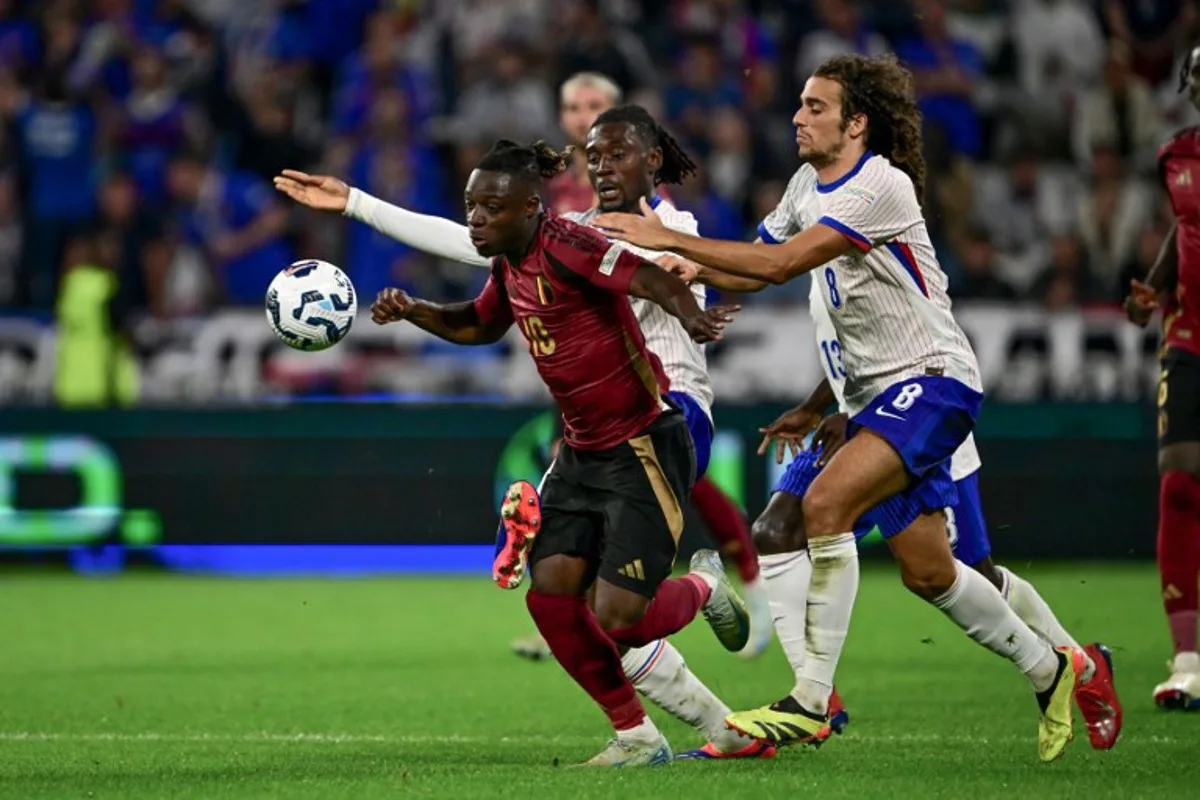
(569, 297)
(1179, 168)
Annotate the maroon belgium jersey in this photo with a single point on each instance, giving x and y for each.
(1179, 166)
(569, 296)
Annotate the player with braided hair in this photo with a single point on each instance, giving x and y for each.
(608, 520)
(628, 154)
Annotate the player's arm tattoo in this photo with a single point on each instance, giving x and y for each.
(1163, 274)
(667, 290)
(771, 263)
(459, 323)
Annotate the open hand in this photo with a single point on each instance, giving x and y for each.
(322, 192)
(391, 305)
(788, 432)
(1141, 303)
(708, 325)
(645, 231)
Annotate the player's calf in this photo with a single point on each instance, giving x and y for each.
(591, 658)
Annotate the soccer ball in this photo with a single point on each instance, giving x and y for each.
(311, 305)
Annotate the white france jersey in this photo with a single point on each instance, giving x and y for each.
(683, 360)
(887, 296)
(965, 460)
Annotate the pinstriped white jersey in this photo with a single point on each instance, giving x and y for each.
(886, 297)
(683, 360)
(965, 459)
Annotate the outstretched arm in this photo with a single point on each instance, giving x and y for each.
(729, 283)
(474, 322)
(673, 295)
(691, 272)
(776, 264)
(435, 235)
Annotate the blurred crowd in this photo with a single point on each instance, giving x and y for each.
(141, 135)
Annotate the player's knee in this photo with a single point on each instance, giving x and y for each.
(1181, 457)
(1179, 491)
(825, 513)
(929, 579)
(773, 534)
(556, 575)
(617, 612)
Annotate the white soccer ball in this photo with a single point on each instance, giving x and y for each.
(311, 305)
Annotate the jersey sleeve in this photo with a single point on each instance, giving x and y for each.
(575, 250)
(492, 304)
(873, 208)
(435, 235)
(784, 221)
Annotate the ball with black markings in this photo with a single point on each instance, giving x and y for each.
(311, 305)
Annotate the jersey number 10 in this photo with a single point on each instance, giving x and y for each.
(541, 343)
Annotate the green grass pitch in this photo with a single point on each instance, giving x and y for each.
(178, 687)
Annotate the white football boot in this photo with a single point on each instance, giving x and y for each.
(1181, 691)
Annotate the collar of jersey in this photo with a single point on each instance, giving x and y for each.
(825, 188)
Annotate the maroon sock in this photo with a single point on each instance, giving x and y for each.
(725, 522)
(1179, 554)
(674, 605)
(587, 654)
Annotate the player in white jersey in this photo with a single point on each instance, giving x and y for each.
(774, 534)
(628, 155)
(912, 389)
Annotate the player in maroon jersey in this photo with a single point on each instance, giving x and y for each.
(610, 512)
(1173, 284)
(583, 98)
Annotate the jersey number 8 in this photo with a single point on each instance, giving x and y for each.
(835, 297)
(908, 395)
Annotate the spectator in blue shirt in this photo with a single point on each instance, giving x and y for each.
(153, 125)
(703, 85)
(944, 69)
(20, 46)
(56, 136)
(235, 219)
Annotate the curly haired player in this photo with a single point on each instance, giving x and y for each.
(912, 390)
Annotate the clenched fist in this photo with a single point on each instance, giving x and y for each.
(391, 305)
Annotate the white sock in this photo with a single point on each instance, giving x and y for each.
(977, 607)
(1036, 613)
(658, 671)
(785, 578)
(831, 594)
(644, 733)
